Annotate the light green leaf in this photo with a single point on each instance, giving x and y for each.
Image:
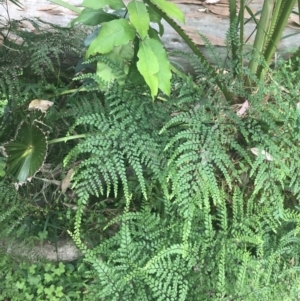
(139, 17)
(96, 4)
(120, 56)
(148, 66)
(170, 9)
(114, 33)
(93, 17)
(164, 74)
(105, 73)
(27, 152)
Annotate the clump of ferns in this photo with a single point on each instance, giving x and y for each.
(15, 214)
(123, 142)
(216, 146)
(53, 61)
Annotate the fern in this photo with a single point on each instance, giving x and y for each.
(40, 72)
(126, 142)
(204, 198)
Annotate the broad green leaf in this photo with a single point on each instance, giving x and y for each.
(27, 152)
(164, 74)
(139, 17)
(120, 56)
(96, 4)
(148, 66)
(170, 9)
(153, 34)
(114, 33)
(93, 17)
(155, 18)
(105, 72)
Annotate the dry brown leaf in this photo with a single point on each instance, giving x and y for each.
(243, 108)
(191, 32)
(47, 7)
(219, 9)
(72, 206)
(40, 104)
(51, 9)
(294, 21)
(211, 1)
(27, 25)
(66, 182)
(258, 152)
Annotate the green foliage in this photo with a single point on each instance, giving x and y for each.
(154, 66)
(13, 211)
(274, 16)
(135, 32)
(139, 17)
(37, 73)
(145, 259)
(43, 281)
(191, 197)
(125, 141)
(114, 33)
(221, 221)
(27, 152)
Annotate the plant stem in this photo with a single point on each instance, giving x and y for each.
(260, 38)
(65, 139)
(192, 46)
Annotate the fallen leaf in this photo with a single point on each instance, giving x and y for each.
(40, 104)
(66, 182)
(258, 152)
(243, 108)
(48, 7)
(220, 9)
(293, 21)
(51, 9)
(195, 37)
(74, 207)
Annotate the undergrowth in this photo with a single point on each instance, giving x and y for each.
(192, 196)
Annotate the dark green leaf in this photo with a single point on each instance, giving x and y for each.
(93, 17)
(27, 152)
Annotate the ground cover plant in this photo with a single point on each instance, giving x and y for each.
(182, 188)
